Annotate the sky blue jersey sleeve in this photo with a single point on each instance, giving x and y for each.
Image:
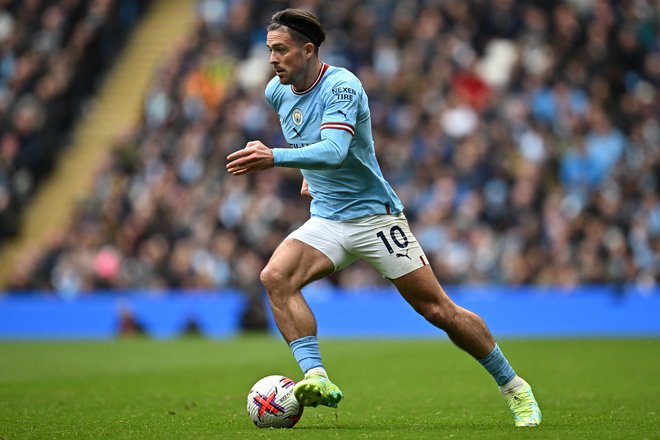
(328, 154)
(339, 116)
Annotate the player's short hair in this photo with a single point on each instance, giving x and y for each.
(303, 26)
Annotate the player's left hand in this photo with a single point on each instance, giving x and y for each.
(254, 157)
(304, 190)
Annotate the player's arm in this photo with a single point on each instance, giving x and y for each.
(337, 131)
(340, 107)
(327, 154)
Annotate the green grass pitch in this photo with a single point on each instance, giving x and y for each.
(196, 389)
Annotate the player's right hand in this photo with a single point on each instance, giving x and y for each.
(254, 157)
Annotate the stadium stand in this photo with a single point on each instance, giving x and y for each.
(53, 56)
(522, 136)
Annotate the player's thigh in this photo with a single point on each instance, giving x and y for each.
(295, 264)
(387, 244)
(310, 252)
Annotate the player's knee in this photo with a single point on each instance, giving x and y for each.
(273, 279)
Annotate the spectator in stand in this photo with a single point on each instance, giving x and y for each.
(53, 54)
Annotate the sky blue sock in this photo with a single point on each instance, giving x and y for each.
(307, 353)
(498, 366)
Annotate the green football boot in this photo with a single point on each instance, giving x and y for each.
(523, 406)
(315, 390)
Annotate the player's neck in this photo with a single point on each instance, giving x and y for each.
(310, 76)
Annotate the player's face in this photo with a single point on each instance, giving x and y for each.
(287, 57)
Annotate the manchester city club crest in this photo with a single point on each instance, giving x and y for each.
(297, 116)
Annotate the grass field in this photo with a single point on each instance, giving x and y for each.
(196, 389)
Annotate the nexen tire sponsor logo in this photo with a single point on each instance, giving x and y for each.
(344, 93)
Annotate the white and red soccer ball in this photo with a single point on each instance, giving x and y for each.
(271, 403)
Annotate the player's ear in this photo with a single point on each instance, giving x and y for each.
(308, 49)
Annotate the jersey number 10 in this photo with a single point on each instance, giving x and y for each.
(398, 237)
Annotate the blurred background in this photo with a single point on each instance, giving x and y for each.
(523, 138)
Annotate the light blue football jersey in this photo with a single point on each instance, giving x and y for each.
(328, 129)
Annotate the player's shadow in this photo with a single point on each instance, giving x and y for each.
(393, 427)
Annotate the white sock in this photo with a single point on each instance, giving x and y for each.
(317, 371)
(512, 385)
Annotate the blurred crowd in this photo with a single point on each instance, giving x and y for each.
(53, 54)
(523, 138)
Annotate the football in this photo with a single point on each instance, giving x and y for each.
(271, 403)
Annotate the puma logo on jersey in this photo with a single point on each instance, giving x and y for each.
(398, 255)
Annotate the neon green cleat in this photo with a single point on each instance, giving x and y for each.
(315, 390)
(525, 410)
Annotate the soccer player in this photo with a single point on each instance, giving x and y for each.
(355, 214)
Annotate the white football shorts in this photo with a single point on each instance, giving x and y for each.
(384, 241)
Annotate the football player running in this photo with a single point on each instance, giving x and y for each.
(355, 214)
